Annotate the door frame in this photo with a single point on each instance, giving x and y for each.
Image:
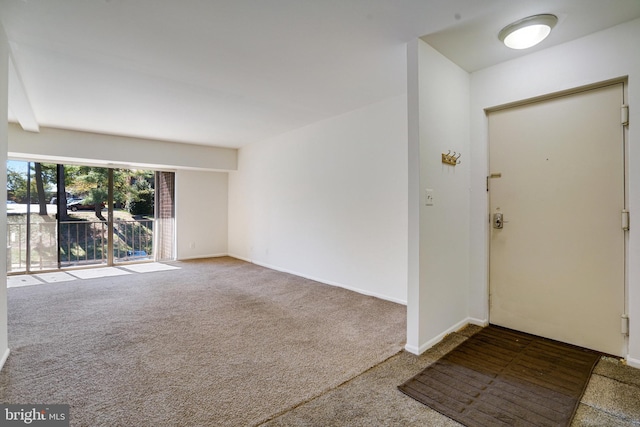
(625, 136)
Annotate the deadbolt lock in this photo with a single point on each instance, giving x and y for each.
(498, 222)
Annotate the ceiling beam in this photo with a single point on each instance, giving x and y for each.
(19, 101)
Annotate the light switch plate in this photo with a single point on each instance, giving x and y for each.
(428, 198)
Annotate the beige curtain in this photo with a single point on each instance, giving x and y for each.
(165, 216)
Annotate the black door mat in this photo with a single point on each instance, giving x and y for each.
(501, 377)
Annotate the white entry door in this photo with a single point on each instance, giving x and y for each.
(557, 263)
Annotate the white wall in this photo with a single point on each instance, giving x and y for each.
(328, 201)
(599, 57)
(201, 214)
(438, 234)
(4, 80)
(85, 147)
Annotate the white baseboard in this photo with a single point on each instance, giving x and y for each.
(435, 340)
(241, 258)
(634, 363)
(478, 322)
(203, 256)
(326, 282)
(5, 356)
(412, 349)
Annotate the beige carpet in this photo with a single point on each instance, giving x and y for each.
(217, 343)
(612, 398)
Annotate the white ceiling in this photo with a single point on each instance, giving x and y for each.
(474, 45)
(232, 72)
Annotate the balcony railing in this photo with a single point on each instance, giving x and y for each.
(79, 243)
(133, 240)
(83, 242)
(43, 246)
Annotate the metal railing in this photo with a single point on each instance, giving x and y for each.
(43, 247)
(83, 242)
(78, 243)
(133, 240)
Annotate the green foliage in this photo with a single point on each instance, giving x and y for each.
(89, 183)
(142, 197)
(17, 183)
(132, 188)
(16, 186)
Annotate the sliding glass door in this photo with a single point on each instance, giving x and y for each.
(83, 227)
(64, 216)
(133, 215)
(31, 218)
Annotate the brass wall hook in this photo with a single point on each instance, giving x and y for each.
(451, 159)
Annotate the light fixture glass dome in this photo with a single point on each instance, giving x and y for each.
(527, 32)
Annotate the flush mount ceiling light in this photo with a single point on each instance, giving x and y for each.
(527, 32)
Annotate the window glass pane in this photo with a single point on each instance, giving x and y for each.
(31, 217)
(43, 244)
(17, 200)
(59, 216)
(133, 214)
(84, 228)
